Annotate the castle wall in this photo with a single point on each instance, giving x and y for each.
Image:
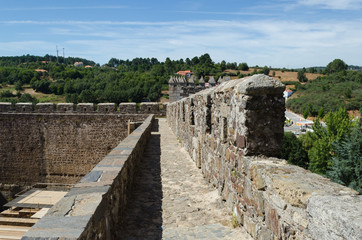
(233, 132)
(47, 145)
(95, 206)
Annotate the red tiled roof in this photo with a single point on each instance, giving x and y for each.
(40, 70)
(183, 73)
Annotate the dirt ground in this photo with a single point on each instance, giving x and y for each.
(284, 76)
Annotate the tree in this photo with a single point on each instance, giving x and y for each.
(301, 76)
(18, 86)
(243, 66)
(293, 151)
(346, 162)
(336, 65)
(265, 70)
(338, 125)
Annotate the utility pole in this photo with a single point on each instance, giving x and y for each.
(63, 56)
(57, 55)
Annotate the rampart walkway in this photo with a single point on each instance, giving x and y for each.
(171, 198)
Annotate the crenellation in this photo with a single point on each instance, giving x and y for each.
(6, 107)
(24, 107)
(107, 107)
(128, 108)
(85, 107)
(45, 107)
(233, 132)
(65, 107)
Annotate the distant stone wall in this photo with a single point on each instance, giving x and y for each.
(47, 145)
(233, 132)
(95, 206)
(177, 92)
(156, 108)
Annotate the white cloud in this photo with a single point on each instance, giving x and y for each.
(265, 42)
(333, 4)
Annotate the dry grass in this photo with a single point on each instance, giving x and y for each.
(284, 76)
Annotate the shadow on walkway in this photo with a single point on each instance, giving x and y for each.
(143, 218)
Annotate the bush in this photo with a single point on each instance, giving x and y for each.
(293, 151)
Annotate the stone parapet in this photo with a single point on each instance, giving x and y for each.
(66, 107)
(24, 107)
(85, 107)
(128, 107)
(95, 206)
(233, 132)
(6, 107)
(57, 148)
(45, 107)
(159, 109)
(107, 107)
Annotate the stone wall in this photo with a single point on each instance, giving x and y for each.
(233, 133)
(156, 108)
(57, 147)
(94, 207)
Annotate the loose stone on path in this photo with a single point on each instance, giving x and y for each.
(171, 198)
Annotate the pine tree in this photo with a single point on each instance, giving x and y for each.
(346, 163)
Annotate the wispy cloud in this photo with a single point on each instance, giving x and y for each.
(333, 4)
(262, 42)
(241, 13)
(61, 8)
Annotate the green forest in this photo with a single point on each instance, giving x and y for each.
(338, 88)
(140, 79)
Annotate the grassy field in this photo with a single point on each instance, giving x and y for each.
(41, 97)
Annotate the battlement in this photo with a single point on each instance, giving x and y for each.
(233, 132)
(158, 109)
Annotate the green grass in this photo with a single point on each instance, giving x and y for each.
(52, 98)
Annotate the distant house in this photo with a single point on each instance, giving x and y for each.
(78, 64)
(88, 66)
(287, 93)
(41, 70)
(186, 73)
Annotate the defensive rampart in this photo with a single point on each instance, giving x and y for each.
(233, 133)
(94, 207)
(57, 146)
(60, 143)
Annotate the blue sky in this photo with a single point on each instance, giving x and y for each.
(277, 33)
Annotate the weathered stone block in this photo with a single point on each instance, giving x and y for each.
(151, 107)
(107, 107)
(128, 108)
(45, 107)
(24, 107)
(65, 107)
(335, 217)
(85, 107)
(6, 107)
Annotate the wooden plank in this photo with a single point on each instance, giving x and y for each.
(12, 232)
(9, 213)
(17, 221)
